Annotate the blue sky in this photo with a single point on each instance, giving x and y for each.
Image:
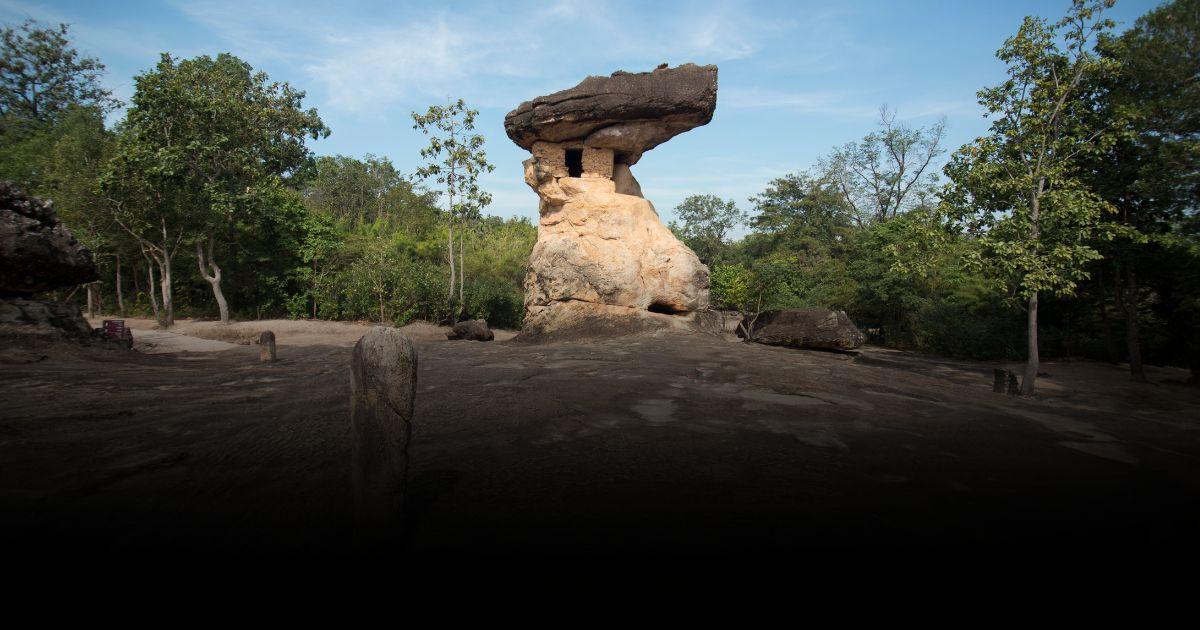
(796, 78)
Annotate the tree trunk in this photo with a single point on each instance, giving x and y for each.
(91, 299)
(1110, 345)
(153, 294)
(164, 278)
(381, 313)
(450, 251)
(214, 279)
(462, 278)
(120, 297)
(1136, 371)
(1031, 362)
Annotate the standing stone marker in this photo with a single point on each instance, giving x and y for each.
(999, 376)
(266, 347)
(383, 386)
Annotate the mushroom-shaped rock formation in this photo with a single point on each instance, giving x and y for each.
(604, 263)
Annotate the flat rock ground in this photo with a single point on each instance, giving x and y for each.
(626, 463)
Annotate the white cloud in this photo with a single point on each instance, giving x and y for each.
(368, 62)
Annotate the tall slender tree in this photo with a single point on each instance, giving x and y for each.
(454, 159)
(1018, 189)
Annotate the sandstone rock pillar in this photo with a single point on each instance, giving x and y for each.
(604, 263)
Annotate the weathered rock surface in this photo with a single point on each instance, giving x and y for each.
(383, 389)
(37, 253)
(604, 262)
(816, 328)
(471, 330)
(626, 112)
(43, 318)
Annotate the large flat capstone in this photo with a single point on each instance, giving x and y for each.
(627, 112)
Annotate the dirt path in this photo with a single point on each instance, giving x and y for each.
(288, 332)
(161, 341)
(634, 460)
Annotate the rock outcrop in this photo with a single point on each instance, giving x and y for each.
(43, 318)
(37, 253)
(814, 328)
(604, 263)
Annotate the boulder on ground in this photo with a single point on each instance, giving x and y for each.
(37, 253)
(815, 328)
(471, 330)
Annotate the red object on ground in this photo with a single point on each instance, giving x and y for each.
(114, 329)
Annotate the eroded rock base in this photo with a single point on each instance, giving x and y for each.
(575, 320)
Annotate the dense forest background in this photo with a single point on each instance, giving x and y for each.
(1070, 228)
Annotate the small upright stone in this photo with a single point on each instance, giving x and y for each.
(1014, 386)
(999, 375)
(266, 347)
(383, 387)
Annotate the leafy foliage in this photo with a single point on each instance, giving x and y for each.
(42, 77)
(704, 225)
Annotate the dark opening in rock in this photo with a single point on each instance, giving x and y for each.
(666, 309)
(574, 162)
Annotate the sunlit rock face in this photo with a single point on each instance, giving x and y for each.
(604, 262)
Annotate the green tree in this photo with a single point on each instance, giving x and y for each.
(454, 159)
(888, 171)
(704, 225)
(42, 76)
(69, 170)
(1018, 189)
(1151, 172)
(800, 213)
(352, 189)
(749, 291)
(203, 140)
